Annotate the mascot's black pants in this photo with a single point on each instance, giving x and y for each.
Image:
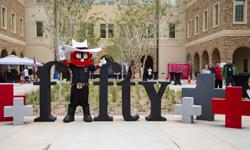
(79, 96)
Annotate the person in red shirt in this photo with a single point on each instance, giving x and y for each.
(218, 76)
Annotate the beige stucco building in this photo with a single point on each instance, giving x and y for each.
(37, 42)
(171, 49)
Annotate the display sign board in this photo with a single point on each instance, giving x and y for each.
(184, 69)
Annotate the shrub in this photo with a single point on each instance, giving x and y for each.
(139, 99)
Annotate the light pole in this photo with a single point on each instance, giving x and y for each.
(157, 35)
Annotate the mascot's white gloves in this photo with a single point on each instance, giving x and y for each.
(102, 62)
(61, 53)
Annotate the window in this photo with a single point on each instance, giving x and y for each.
(103, 30)
(196, 25)
(240, 11)
(171, 30)
(188, 28)
(102, 2)
(106, 30)
(147, 1)
(13, 22)
(39, 29)
(87, 2)
(39, 1)
(148, 32)
(205, 20)
(91, 30)
(110, 2)
(21, 26)
(131, 2)
(122, 2)
(127, 2)
(3, 17)
(110, 31)
(216, 11)
(245, 65)
(87, 29)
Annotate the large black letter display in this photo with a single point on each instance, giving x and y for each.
(155, 98)
(103, 99)
(45, 92)
(126, 100)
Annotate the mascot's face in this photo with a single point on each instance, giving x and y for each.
(81, 59)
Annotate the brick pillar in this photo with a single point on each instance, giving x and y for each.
(226, 54)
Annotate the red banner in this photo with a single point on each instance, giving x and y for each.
(184, 69)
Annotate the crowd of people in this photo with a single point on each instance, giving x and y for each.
(226, 72)
(13, 74)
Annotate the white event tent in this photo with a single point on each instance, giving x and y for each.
(15, 60)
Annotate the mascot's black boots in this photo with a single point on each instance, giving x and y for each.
(86, 114)
(70, 116)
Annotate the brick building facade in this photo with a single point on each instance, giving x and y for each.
(218, 30)
(12, 27)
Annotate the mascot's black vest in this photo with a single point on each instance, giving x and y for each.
(81, 74)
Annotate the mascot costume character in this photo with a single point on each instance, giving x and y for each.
(79, 59)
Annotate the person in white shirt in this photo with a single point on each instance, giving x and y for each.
(206, 70)
(150, 75)
(26, 74)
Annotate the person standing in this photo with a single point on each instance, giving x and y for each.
(229, 70)
(218, 76)
(26, 74)
(206, 70)
(150, 74)
(211, 68)
(30, 73)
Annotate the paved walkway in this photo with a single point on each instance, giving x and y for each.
(121, 135)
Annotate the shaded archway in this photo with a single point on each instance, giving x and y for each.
(4, 53)
(241, 58)
(13, 53)
(3, 68)
(205, 59)
(189, 61)
(196, 63)
(21, 55)
(149, 63)
(216, 56)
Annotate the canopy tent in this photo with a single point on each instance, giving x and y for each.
(31, 61)
(15, 60)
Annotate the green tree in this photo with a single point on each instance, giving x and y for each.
(137, 30)
(65, 19)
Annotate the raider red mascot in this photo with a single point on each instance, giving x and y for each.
(79, 59)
